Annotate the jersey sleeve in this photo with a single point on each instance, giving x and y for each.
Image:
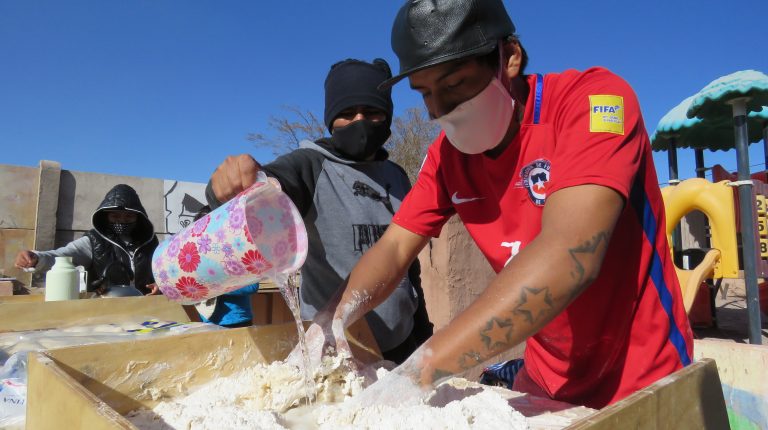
(427, 207)
(600, 135)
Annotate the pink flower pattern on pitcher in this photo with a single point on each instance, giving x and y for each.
(198, 228)
(171, 293)
(188, 257)
(255, 263)
(204, 244)
(257, 233)
(174, 246)
(220, 235)
(189, 287)
(233, 267)
(236, 220)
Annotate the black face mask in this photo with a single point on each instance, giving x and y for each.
(123, 229)
(360, 139)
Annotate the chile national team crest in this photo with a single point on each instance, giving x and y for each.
(535, 178)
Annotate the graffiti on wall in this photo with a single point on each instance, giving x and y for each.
(182, 201)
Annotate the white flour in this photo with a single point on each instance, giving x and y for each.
(260, 397)
(252, 398)
(486, 410)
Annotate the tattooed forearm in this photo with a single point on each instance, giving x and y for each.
(439, 374)
(496, 334)
(534, 303)
(584, 251)
(470, 359)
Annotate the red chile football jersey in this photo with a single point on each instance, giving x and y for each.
(629, 328)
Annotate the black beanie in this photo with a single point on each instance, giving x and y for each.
(355, 83)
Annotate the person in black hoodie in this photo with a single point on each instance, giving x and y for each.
(346, 191)
(118, 250)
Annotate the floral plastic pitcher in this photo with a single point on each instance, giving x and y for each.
(256, 235)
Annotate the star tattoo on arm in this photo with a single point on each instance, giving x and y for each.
(496, 334)
(470, 359)
(534, 303)
(581, 253)
(586, 249)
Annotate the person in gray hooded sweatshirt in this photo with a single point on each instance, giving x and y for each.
(347, 191)
(119, 246)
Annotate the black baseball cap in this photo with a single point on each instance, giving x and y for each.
(430, 32)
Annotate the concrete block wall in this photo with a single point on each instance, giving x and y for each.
(18, 215)
(46, 207)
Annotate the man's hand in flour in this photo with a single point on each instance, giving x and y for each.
(402, 386)
(323, 337)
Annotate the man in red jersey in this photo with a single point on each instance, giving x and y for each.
(553, 178)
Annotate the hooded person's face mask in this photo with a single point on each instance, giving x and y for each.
(122, 223)
(123, 228)
(359, 140)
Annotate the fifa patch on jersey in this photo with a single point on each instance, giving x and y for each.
(535, 177)
(606, 114)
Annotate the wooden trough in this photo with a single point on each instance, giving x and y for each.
(91, 387)
(268, 307)
(689, 399)
(39, 315)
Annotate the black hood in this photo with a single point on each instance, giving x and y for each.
(123, 197)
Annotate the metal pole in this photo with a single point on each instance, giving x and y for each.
(677, 239)
(746, 207)
(672, 161)
(700, 169)
(765, 144)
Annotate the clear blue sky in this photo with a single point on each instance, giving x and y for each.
(168, 89)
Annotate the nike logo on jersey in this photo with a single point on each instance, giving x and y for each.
(458, 200)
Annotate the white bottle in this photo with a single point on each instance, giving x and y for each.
(62, 281)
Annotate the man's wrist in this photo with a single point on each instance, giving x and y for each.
(323, 318)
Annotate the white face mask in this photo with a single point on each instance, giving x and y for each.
(480, 123)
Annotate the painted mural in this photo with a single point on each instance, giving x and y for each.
(182, 200)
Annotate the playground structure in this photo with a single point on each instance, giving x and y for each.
(735, 209)
(718, 203)
(746, 400)
(700, 122)
(715, 200)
